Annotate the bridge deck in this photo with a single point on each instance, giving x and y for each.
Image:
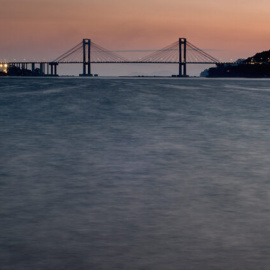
(108, 62)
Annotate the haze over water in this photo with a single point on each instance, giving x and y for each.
(119, 173)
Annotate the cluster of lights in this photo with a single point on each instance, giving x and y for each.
(3, 67)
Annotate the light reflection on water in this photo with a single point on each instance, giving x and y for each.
(134, 173)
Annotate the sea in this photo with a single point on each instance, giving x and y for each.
(134, 173)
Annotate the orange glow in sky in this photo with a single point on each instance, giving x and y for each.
(228, 29)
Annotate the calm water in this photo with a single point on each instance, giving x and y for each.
(137, 174)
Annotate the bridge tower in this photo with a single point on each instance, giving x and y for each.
(182, 57)
(86, 57)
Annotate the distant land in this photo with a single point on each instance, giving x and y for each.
(16, 71)
(257, 66)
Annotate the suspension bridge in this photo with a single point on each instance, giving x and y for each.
(87, 52)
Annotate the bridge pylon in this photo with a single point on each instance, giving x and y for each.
(86, 57)
(182, 57)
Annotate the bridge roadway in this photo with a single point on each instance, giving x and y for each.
(52, 66)
(111, 62)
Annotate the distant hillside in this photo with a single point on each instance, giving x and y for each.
(262, 57)
(257, 66)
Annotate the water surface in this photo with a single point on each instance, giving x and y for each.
(117, 173)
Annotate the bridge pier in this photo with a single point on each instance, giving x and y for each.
(53, 66)
(182, 57)
(42, 68)
(86, 58)
(24, 66)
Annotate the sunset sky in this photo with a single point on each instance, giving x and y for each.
(35, 29)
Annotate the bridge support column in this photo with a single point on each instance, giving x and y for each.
(53, 66)
(182, 57)
(42, 68)
(86, 57)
